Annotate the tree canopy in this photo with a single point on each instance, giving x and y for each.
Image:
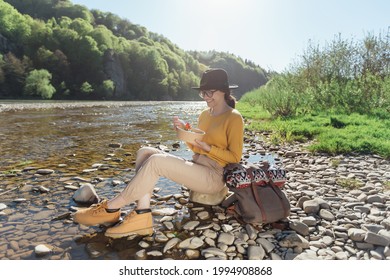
(91, 54)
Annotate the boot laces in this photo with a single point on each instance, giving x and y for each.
(97, 207)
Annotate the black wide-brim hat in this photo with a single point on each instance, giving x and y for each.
(215, 79)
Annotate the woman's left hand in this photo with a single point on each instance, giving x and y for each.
(203, 145)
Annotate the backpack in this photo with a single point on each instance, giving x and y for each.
(256, 197)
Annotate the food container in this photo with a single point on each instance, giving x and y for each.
(190, 135)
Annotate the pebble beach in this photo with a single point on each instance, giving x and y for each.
(339, 211)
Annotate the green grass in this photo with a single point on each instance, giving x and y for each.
(350, 183)
(333, 133)
(249, 111)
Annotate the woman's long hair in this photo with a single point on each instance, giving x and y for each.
(229, 98)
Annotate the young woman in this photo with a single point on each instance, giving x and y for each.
(222, 144)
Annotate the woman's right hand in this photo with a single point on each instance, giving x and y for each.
(178, 122)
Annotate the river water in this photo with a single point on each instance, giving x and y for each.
(44, 133)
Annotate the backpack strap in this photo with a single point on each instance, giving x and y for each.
(232, 211)
(278, 194)
(255, 194)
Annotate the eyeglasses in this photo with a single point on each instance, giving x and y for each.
(208, 93)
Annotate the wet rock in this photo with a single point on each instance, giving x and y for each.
(164, 212)
(213, 252)
(192, 254)
(191, 225)
(191, 243)
(115, 145)
(42, 250)
(44, 171)
(161, 237)
(154, 253)
(86, 194)
(171, 244)
(41, 189)
(43, 215)
(141, 255)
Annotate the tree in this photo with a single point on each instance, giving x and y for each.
(103, 37)
(82, 27)
(13, 25)
(86, 88)
(14, 75)
(38, 84)
(107, 89)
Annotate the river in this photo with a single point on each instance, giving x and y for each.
(43, 133)
(72, 138)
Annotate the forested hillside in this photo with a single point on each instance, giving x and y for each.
(53, 49)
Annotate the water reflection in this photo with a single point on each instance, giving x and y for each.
(44, 136)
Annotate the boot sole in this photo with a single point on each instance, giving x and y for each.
(144, 231)
(106, 224)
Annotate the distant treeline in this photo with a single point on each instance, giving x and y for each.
(53, 49)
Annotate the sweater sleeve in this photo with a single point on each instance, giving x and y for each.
(235, 135)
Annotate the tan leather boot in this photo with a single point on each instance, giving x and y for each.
(96, 214)
(133, 223)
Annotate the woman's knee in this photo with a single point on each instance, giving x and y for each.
(144, 154)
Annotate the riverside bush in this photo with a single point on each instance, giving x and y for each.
(343, 77)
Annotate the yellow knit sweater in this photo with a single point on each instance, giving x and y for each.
(225, 135)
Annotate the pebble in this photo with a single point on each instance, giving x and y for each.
(256, 253)
(42, 250)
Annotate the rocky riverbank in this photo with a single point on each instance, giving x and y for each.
(340, 211)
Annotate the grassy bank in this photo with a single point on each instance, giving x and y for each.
(333, 133)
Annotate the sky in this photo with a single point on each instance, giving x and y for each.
(270, 33)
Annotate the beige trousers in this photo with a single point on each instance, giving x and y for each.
(202, 174)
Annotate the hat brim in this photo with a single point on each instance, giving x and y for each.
(199, 88)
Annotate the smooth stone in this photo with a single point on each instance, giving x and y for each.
(376, 239)
(164, 212)
(171, 243)
(356, 234)
(294, 240)
(214, 252)
(256, 253)
(191, 225)
(44, 171)
(299, 227)
(191, 243)
(86, 194)
(42, 250)
(226, 238)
